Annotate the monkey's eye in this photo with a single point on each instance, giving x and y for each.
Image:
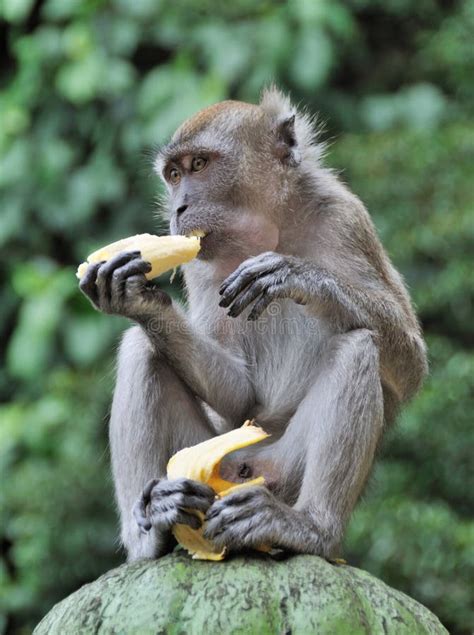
(174, 176)
(198, 164)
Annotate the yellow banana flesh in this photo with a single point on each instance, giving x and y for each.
(163, 252)
(201, 463)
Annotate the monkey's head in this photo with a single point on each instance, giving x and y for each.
(229, 172)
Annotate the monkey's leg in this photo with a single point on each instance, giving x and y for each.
(153, 415)
(333, 436)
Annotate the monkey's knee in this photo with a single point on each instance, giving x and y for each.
(360, 342)
(356, 352)
(143, 369)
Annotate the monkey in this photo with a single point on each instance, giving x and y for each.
(295, 317)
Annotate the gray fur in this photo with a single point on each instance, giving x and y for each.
(315, 337)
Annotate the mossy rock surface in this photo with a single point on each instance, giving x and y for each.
(244, 596)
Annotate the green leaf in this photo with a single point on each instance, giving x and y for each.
(313, 59)
(15, 10)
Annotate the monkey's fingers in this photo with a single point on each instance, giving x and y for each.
(262, 303)
(139, 513)
(228, 532)
(248, 271)
(87, 284)
(251, 293)
(139, 509)
(164, 517)
(195, 503)
(232, 502)
(106, 273)
(133, 267)
(149, 487)
(234, 518)
(262, 262)
(123, 278)
(184, 486)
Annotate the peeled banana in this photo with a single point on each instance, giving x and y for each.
(163, 252)
(201, 463)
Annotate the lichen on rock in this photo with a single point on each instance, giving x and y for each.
(246, 595)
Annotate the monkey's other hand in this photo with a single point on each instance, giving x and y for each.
(269, 276)
(119, 287)
(249, 518)
(165, 503)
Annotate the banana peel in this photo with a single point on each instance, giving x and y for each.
(201, 463)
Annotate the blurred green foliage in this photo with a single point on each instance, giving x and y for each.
(87, 88)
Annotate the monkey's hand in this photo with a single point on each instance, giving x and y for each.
(119, 287)
(165, 503)
(264, 278)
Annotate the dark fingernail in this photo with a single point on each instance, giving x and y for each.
(223, 302)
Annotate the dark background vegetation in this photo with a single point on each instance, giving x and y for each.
(87, 89)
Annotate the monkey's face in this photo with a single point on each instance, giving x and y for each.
(207, 194)
(224, 182)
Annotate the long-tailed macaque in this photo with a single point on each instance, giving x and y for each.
(295, 318)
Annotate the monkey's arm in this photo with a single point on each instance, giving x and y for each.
(215, 375)
(366, 301)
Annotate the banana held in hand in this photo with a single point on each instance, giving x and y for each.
(201, 463)
(163, 252)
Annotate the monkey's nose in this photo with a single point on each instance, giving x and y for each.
(181, 209)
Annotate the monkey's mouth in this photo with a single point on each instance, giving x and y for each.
(200, 233)
(206, 242)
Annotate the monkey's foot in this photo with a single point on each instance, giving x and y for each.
(165, 503)
(247, 518)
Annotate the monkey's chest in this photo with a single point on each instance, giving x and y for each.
(282, 350)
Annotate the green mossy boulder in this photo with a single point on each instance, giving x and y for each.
(244, 595)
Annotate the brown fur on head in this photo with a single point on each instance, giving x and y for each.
(209, 116)
(252, 154)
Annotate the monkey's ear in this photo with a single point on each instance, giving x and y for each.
(286, 146)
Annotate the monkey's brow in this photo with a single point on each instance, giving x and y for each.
(173, 151)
